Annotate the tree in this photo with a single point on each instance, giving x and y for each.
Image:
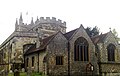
(92, 31)
(116, 35)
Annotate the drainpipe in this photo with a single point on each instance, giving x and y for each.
(68, 58)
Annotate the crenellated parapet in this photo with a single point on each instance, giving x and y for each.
(50, 20)
(48, 23)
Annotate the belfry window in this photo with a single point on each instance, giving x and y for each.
(111, 52)
(81, 52)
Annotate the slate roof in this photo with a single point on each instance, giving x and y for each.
(43, 45)
(30, 50)
(99, 38)
(45, 42)
(69, 34)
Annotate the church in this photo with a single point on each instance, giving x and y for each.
(45, 46)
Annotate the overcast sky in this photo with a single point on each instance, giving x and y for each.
(104, 14)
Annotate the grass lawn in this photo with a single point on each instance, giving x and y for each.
(21, 74)
(25, 74)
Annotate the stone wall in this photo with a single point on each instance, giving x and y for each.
(27, 34)
(79, 67)
(103, 48)
(47, 29)
(41, 59)
(57, 47)
(38, 66)
(110, 69)
(30, 67)
(17, 46)
(110, 74)
(13, 49)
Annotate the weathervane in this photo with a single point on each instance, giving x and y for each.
(110, 28)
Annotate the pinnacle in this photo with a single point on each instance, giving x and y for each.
(16, 22)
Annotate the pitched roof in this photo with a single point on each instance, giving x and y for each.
(99, 38)
(69, 34)
(43, 45)
(45, 41)
(30, 50)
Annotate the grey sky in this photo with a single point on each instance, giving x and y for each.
(101, 13)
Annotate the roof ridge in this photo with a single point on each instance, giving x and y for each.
(43, 45)
(99, 38)
(70, 33)
(99, 35)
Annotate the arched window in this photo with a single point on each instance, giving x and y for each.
(27, 46)
(81, 49)
(33, 60)
(111, 52)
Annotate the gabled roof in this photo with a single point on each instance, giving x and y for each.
(69, 34)
(43, 45)
(99, 38)
(45, 41)
(28, 51)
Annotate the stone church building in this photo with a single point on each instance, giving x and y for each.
(45, 46)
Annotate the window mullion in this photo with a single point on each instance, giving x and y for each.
(83, 51)
(86, 53)
(80, 51)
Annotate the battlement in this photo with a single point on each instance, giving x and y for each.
(20, 26)
(50, 20)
